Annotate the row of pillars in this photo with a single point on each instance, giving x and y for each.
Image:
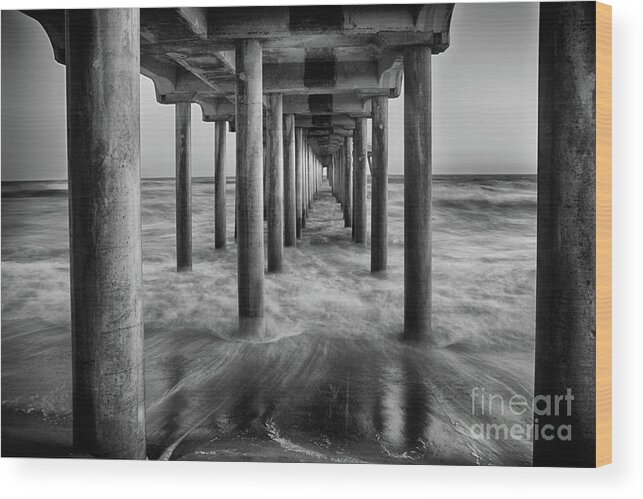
(291, 180)
(103, 65)
(277, 179)
(104, 175)
(348, 178)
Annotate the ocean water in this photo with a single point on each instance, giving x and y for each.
(333, 382)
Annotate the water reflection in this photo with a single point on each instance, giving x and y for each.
(354, 402)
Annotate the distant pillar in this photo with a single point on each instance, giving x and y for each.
(359, 222)
(250, 265)
(183, 187)
(290, 196)
(275, 169)
(299, 136)
(340, 179)
(266, 162)
(354, 184)
(417, 192)
(304, 182)
(348, 181)
(219, 185)
(339, 158)
(104, 169)
(379, 185)
(566, 256)
(329, 175)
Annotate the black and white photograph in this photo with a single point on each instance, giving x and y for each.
(349, 234)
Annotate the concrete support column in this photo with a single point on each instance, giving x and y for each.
(340, 177)
(104, 170)
(266, 162)
(299, 144)
(359, 201)
(417, 193)
(379, 185)
(348, 181)
(354, 185)
(330, 176)
(183, 187)
(290, 196)
(566, 254)
(304, 182)
(250, 265)
(219, 185)
(311, 168)
(339, 161)
(275, 169)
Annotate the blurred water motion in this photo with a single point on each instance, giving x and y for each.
(333, 383)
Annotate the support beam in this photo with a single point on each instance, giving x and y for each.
(304, 183)
(348, 181)
(299, 155)
(275, 171)
(103, 144)
(566, 255)
(359, 222)
(417, 193)
(354, 185)
(290, 196)
(219, 185)
(379, 185)
(183, 187)
(250, 264)
(266, 162)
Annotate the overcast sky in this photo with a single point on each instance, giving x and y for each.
(484, 102)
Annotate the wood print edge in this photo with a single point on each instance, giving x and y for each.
(603, 234)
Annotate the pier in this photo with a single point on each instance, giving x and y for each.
(297, 86)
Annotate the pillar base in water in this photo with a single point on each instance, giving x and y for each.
(252, 328)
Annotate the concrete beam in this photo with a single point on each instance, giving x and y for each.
(220, 109)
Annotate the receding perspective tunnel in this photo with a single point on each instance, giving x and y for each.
(371, 265)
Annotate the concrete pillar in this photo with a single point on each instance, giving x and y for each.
(354, 185)
(359, 201)
(219, 185)
(299, 144)
(266, 162)
(290, 196)
(311, 177)
(340, 178)
(417, 193)
(566, 255)
(330, 176)
(250, 265)
(348, 181)
(339, 181)
(275, 169)
(304, 182)
(183, 187)
(104, 169)
(379, 185)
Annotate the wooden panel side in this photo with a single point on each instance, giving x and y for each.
(603, 234)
